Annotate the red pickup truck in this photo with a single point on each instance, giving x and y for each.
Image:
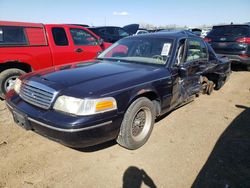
(25, 47)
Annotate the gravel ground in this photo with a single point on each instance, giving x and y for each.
(205, 143)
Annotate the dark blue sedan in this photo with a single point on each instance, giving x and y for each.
(121, 93)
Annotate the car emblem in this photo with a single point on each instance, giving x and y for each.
(33, 95)
(222, 39)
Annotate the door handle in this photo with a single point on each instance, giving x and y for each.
(78, 50)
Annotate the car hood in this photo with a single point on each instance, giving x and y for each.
(97, 77)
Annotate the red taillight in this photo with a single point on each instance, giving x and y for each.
(207, 39)
(244, 55)
(244, 40)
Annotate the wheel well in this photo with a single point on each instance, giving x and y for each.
(213, 77)
(19, 65)
(153, 97)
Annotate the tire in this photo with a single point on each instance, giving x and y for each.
(210, 87)
(137, 124)
(248, 68)
(7, 78)
(219, 84)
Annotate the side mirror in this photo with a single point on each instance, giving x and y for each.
(183, 72)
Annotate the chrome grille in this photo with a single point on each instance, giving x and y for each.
(37, 94)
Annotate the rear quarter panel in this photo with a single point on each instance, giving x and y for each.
(37, 57)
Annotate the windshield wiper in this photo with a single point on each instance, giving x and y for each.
(99, 58)
(108, 59)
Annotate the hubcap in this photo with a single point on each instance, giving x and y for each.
(141, 123)
(9, 83)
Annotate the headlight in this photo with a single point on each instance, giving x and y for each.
(17, 85)
(84, 106)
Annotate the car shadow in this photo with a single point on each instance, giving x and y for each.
(161, 117)
(133, 177)
(238, 67)
(98, 147)
(229, 163)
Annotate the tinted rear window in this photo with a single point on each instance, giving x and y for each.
(96, 31)
(230, 30)
(10, 35)
(60, 36)
(111, 30)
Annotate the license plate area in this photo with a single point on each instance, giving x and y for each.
(21, 120)
(222, 44)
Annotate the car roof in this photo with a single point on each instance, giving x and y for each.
(99, 27)
(83, 25)
(22, 24)
(171, 34)
(232, 25)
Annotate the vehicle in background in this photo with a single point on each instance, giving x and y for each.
(113, 33)
(232, 41)
(141, 31)
(27, 47)
(170, 30)
(205, 32)
(154, 30)
(118, 95)
(196, 31)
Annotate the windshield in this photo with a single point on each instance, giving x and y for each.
(140, 50)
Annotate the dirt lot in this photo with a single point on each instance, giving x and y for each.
(203, 144)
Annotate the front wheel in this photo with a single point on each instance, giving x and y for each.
(137, 124)
(7, 80)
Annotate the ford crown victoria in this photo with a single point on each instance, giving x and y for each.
(121, 93)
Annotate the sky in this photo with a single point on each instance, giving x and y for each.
(119, 13)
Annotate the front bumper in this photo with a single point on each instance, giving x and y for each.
(72, 131)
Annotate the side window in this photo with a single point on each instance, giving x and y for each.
(11, 35)
(203, 49)
(122, 33)
(110, 30)
(102, 30)
(82, 37)
(60, 37)
(196, 50)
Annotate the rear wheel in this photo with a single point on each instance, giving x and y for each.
(248, 68)
(137, 124)
(7, 80)
(219, 84)
(210, 87)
